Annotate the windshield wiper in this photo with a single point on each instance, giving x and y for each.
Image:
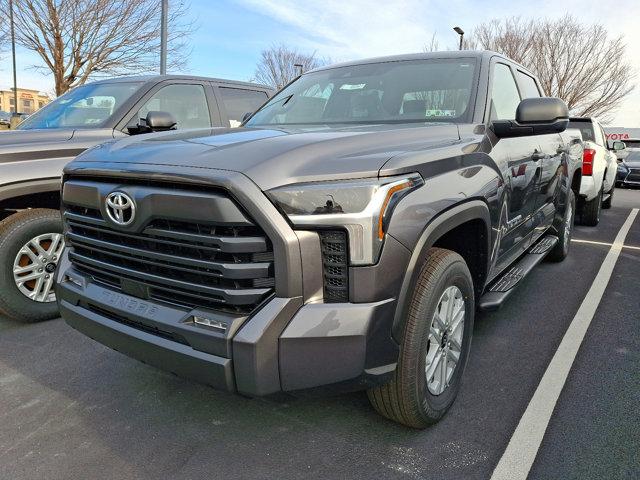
(287, 99)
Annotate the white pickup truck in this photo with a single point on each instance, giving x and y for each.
(599, 168)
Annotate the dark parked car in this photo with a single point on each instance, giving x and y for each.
(341, 240)
(629, 168)
(33, 155)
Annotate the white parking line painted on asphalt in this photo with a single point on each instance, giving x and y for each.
(593, 242)
(523, 447)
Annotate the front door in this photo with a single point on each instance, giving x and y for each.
(518, 159)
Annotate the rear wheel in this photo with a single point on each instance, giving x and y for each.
(31, 243)
(591, 211)
(435, 344)
(561, 250)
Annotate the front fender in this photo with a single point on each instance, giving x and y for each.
(437, 227)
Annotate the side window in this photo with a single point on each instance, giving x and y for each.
(238, 101)
(504, 94)
(528, 86)
(188, 103)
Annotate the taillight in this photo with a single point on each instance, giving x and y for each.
(587, 161)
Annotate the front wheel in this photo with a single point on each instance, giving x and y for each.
(31, 243)
(435, 344)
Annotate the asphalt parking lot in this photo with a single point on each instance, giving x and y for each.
(73, 409)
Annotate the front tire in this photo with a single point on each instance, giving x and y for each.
(590, 215)
(435, 345)
(31, 243)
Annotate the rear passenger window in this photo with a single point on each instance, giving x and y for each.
(238, 101)
(188, 103)
(528, 86)
(504, 94)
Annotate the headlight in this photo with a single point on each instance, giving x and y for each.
(362, 207)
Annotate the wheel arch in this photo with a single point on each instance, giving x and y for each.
(40, 193)
(445, 231)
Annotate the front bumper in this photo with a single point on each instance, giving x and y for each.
(284, 347)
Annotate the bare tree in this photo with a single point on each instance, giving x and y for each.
(276, 66)
(5, 40)
(80, 39)
(433, 45)
(579, 63)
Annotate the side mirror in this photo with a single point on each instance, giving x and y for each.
(161, 121)
(154, 122)
(535, 116)
(246, 117)
(618, 145)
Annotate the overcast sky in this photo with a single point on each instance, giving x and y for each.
(232, 33)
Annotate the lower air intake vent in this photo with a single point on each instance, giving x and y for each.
(335, 263)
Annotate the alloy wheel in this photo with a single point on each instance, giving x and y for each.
(35, 265)
(445, 340)
(568, 224)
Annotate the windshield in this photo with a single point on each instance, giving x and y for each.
(632, 156)
(87, 106)
(437, 90)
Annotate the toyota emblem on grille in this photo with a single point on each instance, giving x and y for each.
(120, 208)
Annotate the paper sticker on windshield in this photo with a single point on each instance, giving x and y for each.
(441, 113)
(350, 86)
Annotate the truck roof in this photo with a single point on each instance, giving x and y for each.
(158, 78)
(478, 54)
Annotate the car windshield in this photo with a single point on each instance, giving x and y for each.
(632, 156)
(87, 106)
(432, 90)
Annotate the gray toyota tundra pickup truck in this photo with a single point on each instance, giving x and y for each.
(32, 158)
(341, 240)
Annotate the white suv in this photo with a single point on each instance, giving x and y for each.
(599, 169)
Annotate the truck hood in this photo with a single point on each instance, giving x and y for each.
(49, 143)
(19, 138)
(275, 157)
(631, 163)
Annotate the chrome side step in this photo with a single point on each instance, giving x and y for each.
(500, 289)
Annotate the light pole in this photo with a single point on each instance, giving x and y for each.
(13, 58)
(298, 67)
(460, 32)
(163, 37)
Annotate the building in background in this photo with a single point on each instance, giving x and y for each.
(28, 100)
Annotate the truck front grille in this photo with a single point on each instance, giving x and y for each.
(185, 263)
(634, 175)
